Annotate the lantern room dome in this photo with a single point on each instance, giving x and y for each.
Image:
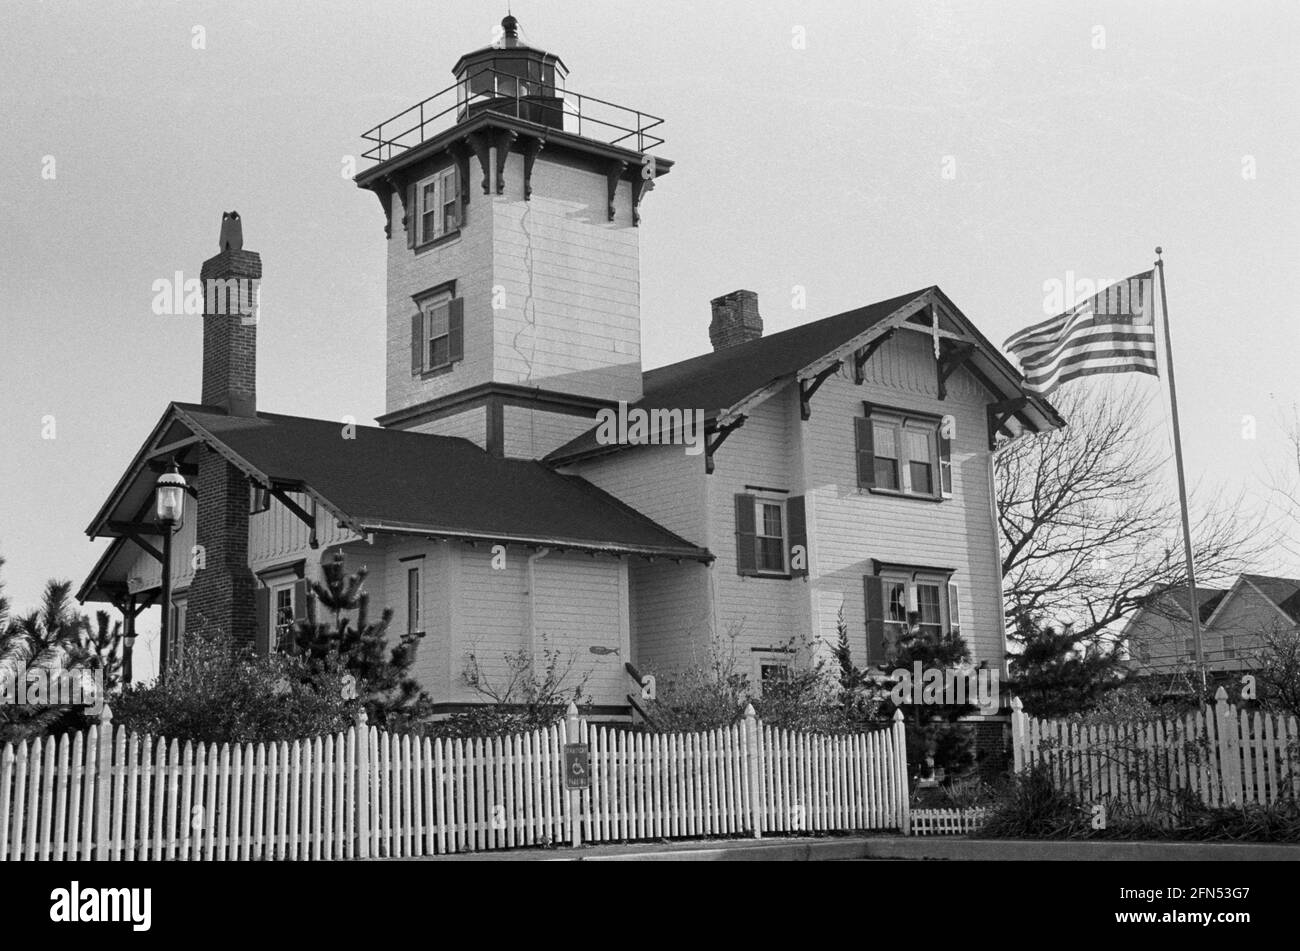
(511, 77)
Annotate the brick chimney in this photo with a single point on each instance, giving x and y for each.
(230, 322)
(221, 598)
(735, 319)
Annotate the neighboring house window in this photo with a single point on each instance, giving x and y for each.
(1190, 644)
(1229, 646)
(413, 620)
(439, 198)
(437, 331)
(771, 536)
(902, 452)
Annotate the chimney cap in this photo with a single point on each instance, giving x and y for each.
(232, 232)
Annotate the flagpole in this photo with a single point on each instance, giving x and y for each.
(1195, 604)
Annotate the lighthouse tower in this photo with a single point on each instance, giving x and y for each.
(512, 208)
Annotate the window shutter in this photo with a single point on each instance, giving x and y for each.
(454, 181)
(877, 650)
(866, 452)
(437, 208)
(417, 343)
(262, 608)
(945, 463)
(954, 615)
(300, 600)
(746, 553)
(456, 330)
(797, 520)
(412, 213)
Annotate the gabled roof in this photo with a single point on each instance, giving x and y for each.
(1209, 599)
(384, 480)
(726, 382)
(1284, 593)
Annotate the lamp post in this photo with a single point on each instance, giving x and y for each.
(169, 507)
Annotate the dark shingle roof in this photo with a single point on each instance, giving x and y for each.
(1209, 599)
(717, 381)
(441, 484)
(1284, 592)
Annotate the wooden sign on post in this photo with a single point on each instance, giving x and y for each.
(577, 766)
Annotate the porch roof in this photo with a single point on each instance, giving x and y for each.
(384, 481)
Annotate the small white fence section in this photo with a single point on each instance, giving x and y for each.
(947, 821)
(1220, 754)
(109, 794)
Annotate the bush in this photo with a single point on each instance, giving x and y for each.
(222, 692)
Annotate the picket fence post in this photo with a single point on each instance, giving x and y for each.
(1017, 734)
(1229, 754)
(103, 791)
(900, 772)
(755, 804)
(571, 795)
(363, 784)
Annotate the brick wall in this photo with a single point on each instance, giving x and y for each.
(221, 595)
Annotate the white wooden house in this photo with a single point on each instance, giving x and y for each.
(847, 465)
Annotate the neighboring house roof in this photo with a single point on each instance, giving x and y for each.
(1209, 599)
(724, 382)
(1283, 592)
(385, 480)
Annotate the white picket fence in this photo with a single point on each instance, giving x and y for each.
(1223, 755)
(110, 794)
(947, 821)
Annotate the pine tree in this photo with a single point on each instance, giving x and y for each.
(1055, 673)
(338, 647)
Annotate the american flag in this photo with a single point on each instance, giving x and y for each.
(1110, 332)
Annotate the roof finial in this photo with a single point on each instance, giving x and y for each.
(510, 25)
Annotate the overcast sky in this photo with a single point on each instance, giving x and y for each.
(811, 141)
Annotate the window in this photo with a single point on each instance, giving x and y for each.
(885, 436)
(898, 602)
(438, 199)
(437, 330)
(769, 517)
(930, 616)
(437, 326)
(1229, 646)
(282, 606)
(774, 667)
(920, 461)
(904, 453)
(1190, 645)
(413, 621)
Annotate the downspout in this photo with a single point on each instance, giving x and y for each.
(532, 598)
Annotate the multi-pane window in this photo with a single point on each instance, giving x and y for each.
(895, 609)
(770, 531)
(886, 442)
(1229, 646)
(437, 327)
(282, 614)
(438, 199)
(900, 452)
(413, 622)
(930, 614)
(1190, 645)
(920, 464)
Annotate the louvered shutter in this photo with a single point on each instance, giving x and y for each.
(412, 214)
(456, 329)
(874, 591)
(797, 520)
(417, 343)
(262, 608)
(865, 447)
(746, 536)
(954, 614)
(945, 462)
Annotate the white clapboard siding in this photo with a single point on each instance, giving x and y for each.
(110, 793)
(1221, 755)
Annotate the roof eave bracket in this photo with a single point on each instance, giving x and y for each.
(808, 387)
(717, 439)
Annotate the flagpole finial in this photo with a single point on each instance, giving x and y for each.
(1159, 250)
